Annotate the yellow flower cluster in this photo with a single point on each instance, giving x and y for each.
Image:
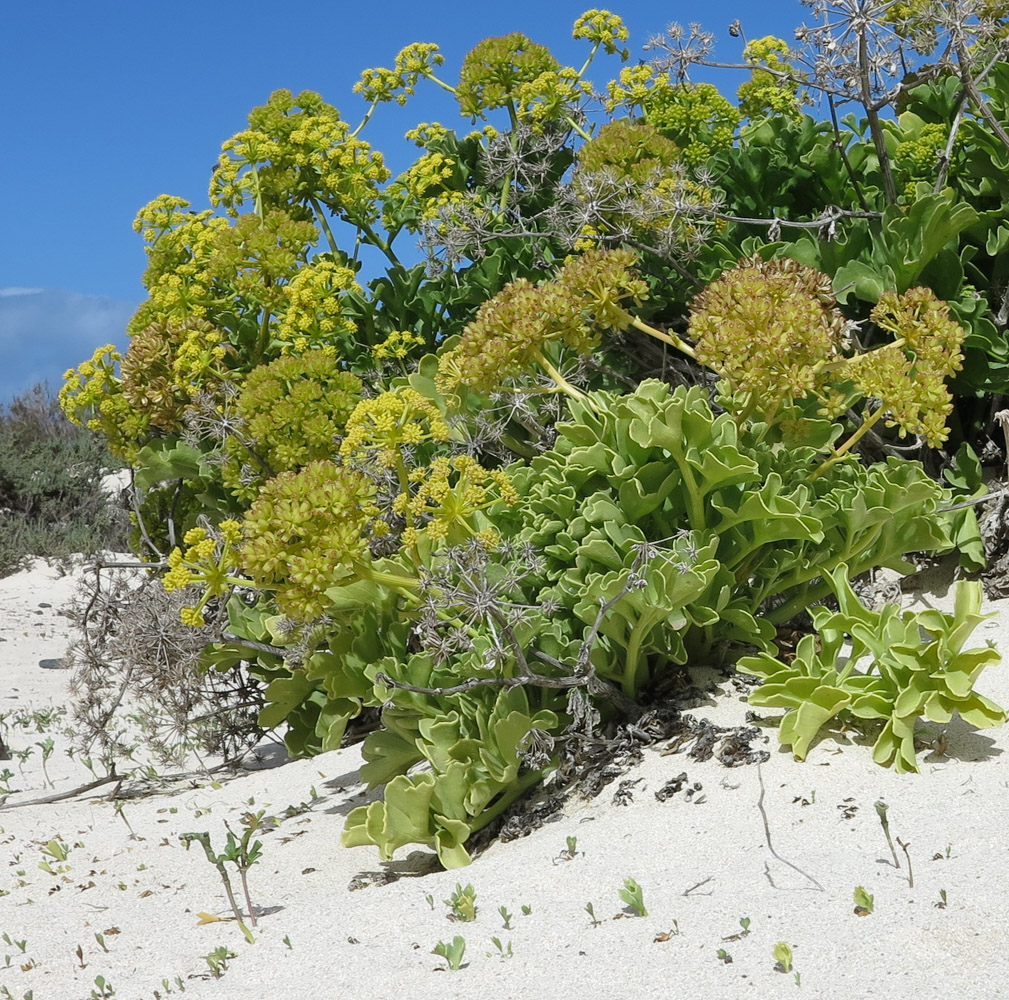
(208, 560)
(424, 188)
(292, 412)
(765, 93)
(397, 345)
(448, 493)
(314, 316)
(305, 533)
(92, 396)
(426, 133)
(494, 68)
(378, 428)
(909, 375)
(298, 147)
(603, 28)
(768, 328)
(510, 330)
(549, 97)
(413, 62)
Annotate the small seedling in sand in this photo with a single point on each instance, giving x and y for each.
(242, 855)
(462, 903)
(782, 955)
(941, 905)
(20, 945)
(430, 900)
(502, 952)
(5, 777)
(103, 989)
(633, 896)
(80, 957)
(452, 953)
(723, 956)
(287, 940)
(863, 902)
(590, 910)
(506, 917)
(526, 910)
(569, 852)
(46, 746)
(744, 923)
(217, 961)
(100, 938)
(907, 857)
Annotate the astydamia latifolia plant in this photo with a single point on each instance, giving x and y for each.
(655, 389)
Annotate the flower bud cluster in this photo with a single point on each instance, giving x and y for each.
(292, 412)
(167, 365)
(909, 375)
(509, 332)
(551, 97)
(431, 183)
(917, 157)
(379, 428)
(768, 328)
(494, 68)
(397, 345)
(695, 116)
(305, 532)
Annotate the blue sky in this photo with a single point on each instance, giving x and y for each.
(107, 105)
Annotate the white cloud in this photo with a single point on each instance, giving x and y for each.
(43, 332)
(15, 290)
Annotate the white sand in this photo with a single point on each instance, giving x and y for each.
(703, 865)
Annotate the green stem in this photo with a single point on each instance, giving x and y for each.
(325, 225)
(632, 661)
(508, 796)
(666, 338)
(562, 383)
(840, 452)
(588, 60)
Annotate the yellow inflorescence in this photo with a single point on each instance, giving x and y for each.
(379, 428)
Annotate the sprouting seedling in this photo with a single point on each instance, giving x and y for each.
(56, 850)
(103, 989)
(430, 900)
(864, 901)
(5, 777)
(47, 745)
(569, 851)
(782, 954)
(217, 960)
(632, 895)
(462, 903)
(502, 952)
(287, 940)
(723, 956)
(526, 909)
(505, 916)
(590, 910)
(20, 945)
(452, 952)
(941, 905)
(240, 854)
(100, 938)
(881, 808)
(744, 922)
(910, 874)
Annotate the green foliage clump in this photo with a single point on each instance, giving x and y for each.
(641, 404)
(51, 499)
